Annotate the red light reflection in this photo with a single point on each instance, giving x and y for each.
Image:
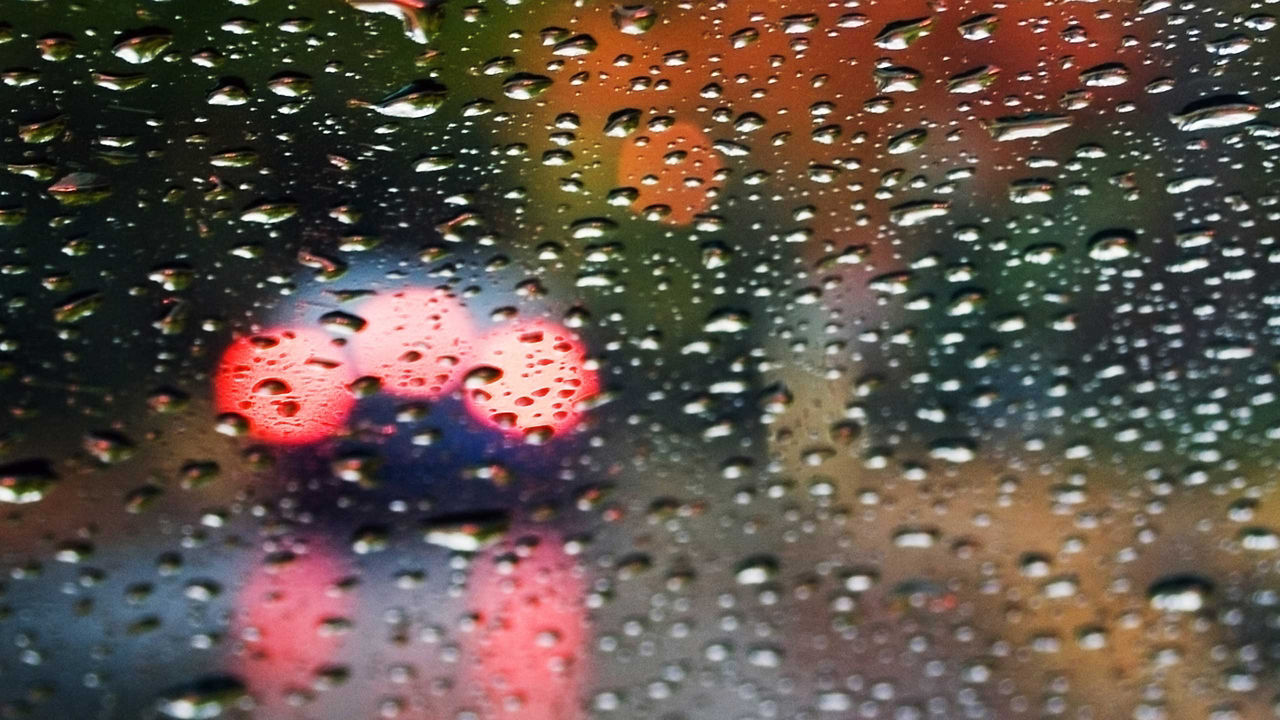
(531, 634)
(290, 617)
(417, 341)
(289, 384)
(531, 380)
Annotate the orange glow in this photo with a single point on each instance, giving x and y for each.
(784, 76)
(675, 168)
(531, 634)
(417, 342)
(289, 384)
(290, 617)
(775, 71)
(530, 380)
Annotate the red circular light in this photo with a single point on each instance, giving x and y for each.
(289, 385)
(416, 341)
(290, 618)
(530, 380)
(531, 634)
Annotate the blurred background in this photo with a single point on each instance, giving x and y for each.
(684, 361)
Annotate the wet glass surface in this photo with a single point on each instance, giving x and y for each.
(683, 361)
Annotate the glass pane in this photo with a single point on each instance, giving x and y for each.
(687, 361)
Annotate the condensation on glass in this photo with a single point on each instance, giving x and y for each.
(682, 360)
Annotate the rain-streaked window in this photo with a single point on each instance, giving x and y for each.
(585, 360)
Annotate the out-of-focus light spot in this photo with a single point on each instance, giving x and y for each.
(416, 341)
(290, 617)
(289, 385)
(531, 632)
(529, 380)
(674, 172)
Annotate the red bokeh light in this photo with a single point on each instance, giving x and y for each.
(531, 633)
(289, 384)
(290, 618)
(417, 342)
(530, 380)
(675, 168)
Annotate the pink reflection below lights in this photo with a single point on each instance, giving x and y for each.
(524, 655)
(531, 633)
(289, 617)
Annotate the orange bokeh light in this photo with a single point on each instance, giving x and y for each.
(713, 57)
(531, 633)
(417, 342)
(675, 169)
(530, 380)
(288, 384)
